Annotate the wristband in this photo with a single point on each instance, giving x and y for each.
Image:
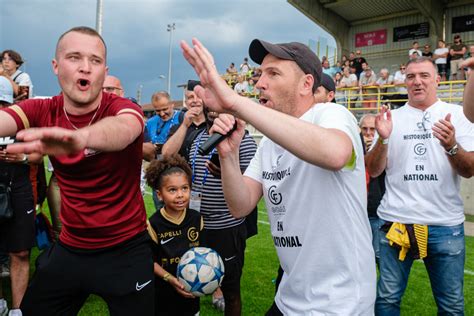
(166, 277)
(383, 141)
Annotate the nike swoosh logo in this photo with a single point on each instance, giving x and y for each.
(139, 287)
(30, 211)
(166, 240)
(228, 259)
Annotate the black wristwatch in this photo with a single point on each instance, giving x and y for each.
(453, 151)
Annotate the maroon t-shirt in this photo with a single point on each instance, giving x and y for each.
(101, 202)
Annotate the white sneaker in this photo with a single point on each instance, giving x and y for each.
(15, 312)
(3, 307)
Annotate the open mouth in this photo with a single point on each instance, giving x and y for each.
(83, 84)
(263, 100)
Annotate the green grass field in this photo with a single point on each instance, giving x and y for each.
(260, 270)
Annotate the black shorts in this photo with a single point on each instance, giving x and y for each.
(122, 275)
(18, 233)
(442, 69)
(230, 245)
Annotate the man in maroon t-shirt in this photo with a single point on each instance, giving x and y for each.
(94, 140)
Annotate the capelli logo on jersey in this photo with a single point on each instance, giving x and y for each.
(193, 234)
(274, 196)
(420, 149)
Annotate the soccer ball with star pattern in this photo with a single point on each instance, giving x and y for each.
(201, 271)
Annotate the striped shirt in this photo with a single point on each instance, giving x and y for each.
(214, 208)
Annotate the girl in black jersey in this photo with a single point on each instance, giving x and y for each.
(174, 228)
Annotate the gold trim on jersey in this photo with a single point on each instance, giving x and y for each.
(176, 221)
(131, 111)
(22, 115)
(151, 232)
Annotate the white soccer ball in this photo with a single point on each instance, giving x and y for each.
(200, 270)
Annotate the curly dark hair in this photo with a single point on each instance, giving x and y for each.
(165, 166)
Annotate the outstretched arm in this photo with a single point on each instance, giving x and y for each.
(303, 139)
(109, 134)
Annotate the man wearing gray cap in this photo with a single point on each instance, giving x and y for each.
(310, 170)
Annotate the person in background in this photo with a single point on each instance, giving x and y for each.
(241, 85)
(440, 56)
(113, 85)
(171, 177)
(245, 67)
(414, 51)
(399, 80)
(376, 185)
(157, 129)
(368, 79)
(340, 96)
(11, 63)
(326, 91)
(17, 235)
(424, 148)
(427, 51)
(384, 79)
(457, 52)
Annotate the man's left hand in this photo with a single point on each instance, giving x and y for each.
(445, 132)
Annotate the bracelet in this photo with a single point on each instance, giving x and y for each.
(166, 277)
(383, 141)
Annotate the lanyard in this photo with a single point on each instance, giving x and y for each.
(193, 164)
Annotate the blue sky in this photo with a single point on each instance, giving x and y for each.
(137, 39)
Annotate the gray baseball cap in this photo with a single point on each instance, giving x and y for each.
(308, 62)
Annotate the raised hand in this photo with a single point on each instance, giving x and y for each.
(445, 132)
(49, 141)
(383, 123)
(190, 115)
(215, 92)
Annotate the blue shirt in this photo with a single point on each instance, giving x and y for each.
(157, 130)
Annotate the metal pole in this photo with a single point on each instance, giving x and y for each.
(139, 94)
(171, 28)
(98, 20)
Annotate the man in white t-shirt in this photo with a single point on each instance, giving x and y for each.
(424, 148)
(414, 51)
(349, 80)
(315, 193)
(440, 58)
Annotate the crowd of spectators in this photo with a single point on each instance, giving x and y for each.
(353, 71)
(349, 72)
